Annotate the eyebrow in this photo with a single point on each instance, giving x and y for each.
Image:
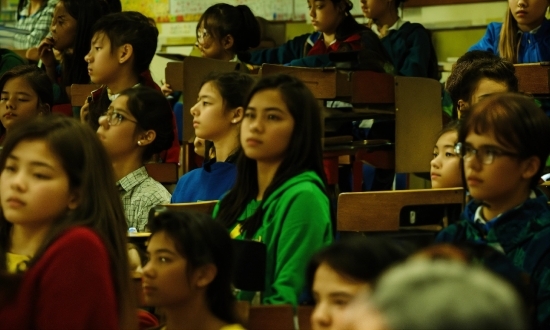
(33, 163)
(267, 109)
(18, 93)
(162, 251)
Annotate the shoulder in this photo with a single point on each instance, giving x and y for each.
(494, 27)
(76, 241)
(151, 188)
(80, 235)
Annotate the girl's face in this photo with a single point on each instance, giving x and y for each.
(210, 118)
(528, 13)
(209, 45)
(374, 9)
(493, 183)
(34, 187)
(18, 102)
(266, 127)
(334, 296)
(63, 28)
(325, 16)
(103, 62)
(119, 140)
(166, 280)
(445, 166)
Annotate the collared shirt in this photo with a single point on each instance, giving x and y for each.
(395, 26)
(38, 24)
(139, 193)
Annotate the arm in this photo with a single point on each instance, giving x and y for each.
(76, 287)
(306, 228)
(490, 40)
(417, 55)
(291, 50)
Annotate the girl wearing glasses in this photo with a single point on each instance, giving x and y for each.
(137, 125)
(504, 143)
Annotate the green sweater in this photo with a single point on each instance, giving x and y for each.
(9, 60)
(296, 224)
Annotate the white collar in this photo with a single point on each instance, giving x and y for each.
(396, 26)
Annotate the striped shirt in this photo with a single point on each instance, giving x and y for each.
(38, 23)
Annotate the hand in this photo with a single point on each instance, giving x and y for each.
(84, 110)
(45, 51)
(166, 90)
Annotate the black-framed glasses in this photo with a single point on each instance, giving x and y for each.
(485, 155)
(114, 118)
(202, 35)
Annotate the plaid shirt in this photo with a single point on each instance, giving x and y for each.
(38, 23)
(139, 193)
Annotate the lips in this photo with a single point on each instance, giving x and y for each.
(9, 115)
(521, 13)
(435, 176)
(473, 181)
(14, 202)
(148, 290)
(195, 123)
(253, 142)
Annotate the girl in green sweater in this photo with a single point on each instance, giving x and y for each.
(279, 197)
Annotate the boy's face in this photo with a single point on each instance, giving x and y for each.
(485, 87)
(103, 61)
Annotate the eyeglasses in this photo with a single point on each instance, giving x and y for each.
(202, 35)
(114, 118)
(486, 155)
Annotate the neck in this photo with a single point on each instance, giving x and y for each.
(532, 26)
(34, 6)
(26, 240)
(126, 80)
(127, 165)
(266, 173)
(388, 19)
(227, 56)
(193, 315)
(505, 203)
(227, 145)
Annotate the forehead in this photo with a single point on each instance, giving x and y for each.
(120, 103)
(35, 151)
(210, 89)
(18, 85)
(161, 240)
(327, 279)
(487, 86)
(100, 36)
(268, 98)
(60, 9)
(447, 138)
(487, 138)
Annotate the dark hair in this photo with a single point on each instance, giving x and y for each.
(130, 27)
(452, 126)
(201, 241)
(348, 25)
(89, 170)
(359, 258)
(36, 78)
(222, 19)
(152, 112)
(86, 13)
(516, 122)
(304, 154)
(114, 6)
(471, 68)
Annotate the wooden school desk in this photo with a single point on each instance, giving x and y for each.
(534, 78)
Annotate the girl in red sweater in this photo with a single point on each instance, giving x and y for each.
(62, 230)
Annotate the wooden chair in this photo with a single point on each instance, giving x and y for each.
(304, 317)
(534, 78)
(383, 211)
(271, 317)
(202, 207)
(79, 92)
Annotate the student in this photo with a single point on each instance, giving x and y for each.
(504, 145)
(61, 229)
(335, 31)
(476, 75)
(188, 274)
(227, 33)
(34, 16)
(524, 37)
(409, 45)
(137, 125)
(122, 48)
(279, 196)
(343, 273)
(9, 60)
(25, 92)
(445, 167)
(70, 35)
(217, 117)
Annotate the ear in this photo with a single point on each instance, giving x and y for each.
(237, 115)
(461, 106)
(125, 53)
(204, 275)
(147, 138)
(529, 167)
(74, 199)
(227, 42)
(44, 108)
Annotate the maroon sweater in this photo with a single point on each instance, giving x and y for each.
(69, 287)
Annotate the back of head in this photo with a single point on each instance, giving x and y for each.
(360, 258)
(36, 78)
(223, 19)
(471, 68)
(516, 122)
(86, 13)
(443, 294)
(201, 240)
(133, 28)
(348, 26)
(152, 112)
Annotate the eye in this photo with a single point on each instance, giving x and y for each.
(435, 154)
(249, 114)
(341, 302)
(23, 100)
(9, 168)
(97, 48)
(164, 259)
(3, 99)
(205, 103)
(273, 117)
(41, 176)
(449, 154)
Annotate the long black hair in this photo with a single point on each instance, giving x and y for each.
(202, 241)
(348, 26)
(304, 154)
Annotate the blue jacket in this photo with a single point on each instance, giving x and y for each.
(533, 47)
(207, 183)
(523, 233)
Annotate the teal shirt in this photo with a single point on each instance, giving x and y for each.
(296, 224)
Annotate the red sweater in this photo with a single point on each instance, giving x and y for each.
(69, 287)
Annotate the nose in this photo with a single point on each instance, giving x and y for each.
(18, 181)
(435, 163)
(522, 3)
(312, 12)
(103, 122)
(194, 110)
(320, 318)
(256, 125)
(87, 57)
(148, 270)
(10, 104)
